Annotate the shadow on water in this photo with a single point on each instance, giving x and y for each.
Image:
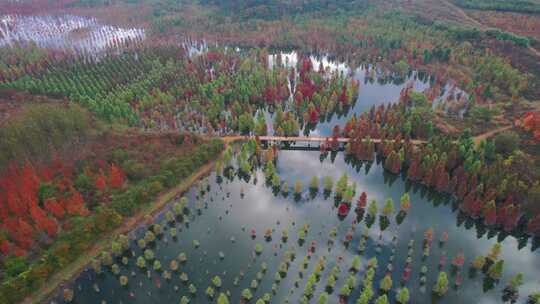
(238, 211)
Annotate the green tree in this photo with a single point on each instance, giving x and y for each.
(314, 183)
(372, 208)
(141, 262)
(496, 270)
(403, 296)
(405, 202)
(216, 281)
(386, 283)
(15, 265)
(506, 142)
(388, 208)
(246, 294)
(441, 286)
(328, 183)
(516, 281)
(383, 299)
(157, 265)
(494, 252)
(345, 290)
(210, 292)
(116, 248)
(323, 298)
(245, 123)
(356, 263)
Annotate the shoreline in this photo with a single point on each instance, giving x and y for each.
(64, 276)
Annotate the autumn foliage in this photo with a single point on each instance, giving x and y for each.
(35, 201)
(531, 123)
(117, 177)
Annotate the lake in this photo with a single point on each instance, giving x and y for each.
(66, 32)
(225, 214)
(377, 87)
(231, 218)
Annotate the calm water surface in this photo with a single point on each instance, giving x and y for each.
(377, 87)
(224, 214)
(66, 32)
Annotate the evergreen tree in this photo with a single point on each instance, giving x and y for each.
(441, 286)
(403, 296)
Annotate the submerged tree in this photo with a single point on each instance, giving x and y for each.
(298, 187)
(496, 270)
(405, 202)
(533, 298)
(210, 292)
(246, 294)
(494, 252)
(323, 298)
(511, 291)
(216, 281)
(386, 283)
(383, 299)
(441, 286)
(479, 262)
(388, 208)
(222, 299)
(328, 183)
(403, 296)
(372, 209)
(356, 263)
(314, 183)
(141, 262)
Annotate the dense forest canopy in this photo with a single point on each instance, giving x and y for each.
(277, 9)
(523, 6)
(90, 137)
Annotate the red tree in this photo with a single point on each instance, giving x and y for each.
(116, 177)
(53, 207)
(75, 204)
(5, 247)
(443, 181)
(343, 209)
(533, 226)
(100, 181)
(362, 201)
(490, 214)
(393, 162)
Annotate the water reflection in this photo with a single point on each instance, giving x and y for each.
(66, 32)
(377, 86)
(233, 210)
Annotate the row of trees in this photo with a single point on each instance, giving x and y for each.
(165, 88)
(530, 122)
(30, 188)
(524, 6)
(491, 186)
(37, 201)
(391, 39)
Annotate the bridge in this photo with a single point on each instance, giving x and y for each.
(305, 139)
(317, 139)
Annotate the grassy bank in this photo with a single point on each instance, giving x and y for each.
(72, 251)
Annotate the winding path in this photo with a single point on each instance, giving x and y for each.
(66, 274)
(73, 269)
(464, 15)
(478, 139)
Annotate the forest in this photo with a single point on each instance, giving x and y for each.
(177, 111)
(524, 6)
